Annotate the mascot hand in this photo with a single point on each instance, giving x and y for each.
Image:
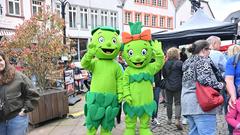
(128, 99)
(157, 47)
(92, 48)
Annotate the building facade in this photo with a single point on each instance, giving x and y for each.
(14, 12)
(81, 16)
(157, 15)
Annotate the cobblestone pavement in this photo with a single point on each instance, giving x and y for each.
(165, 129)
(70, 126)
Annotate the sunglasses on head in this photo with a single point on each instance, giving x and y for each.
(207, 48)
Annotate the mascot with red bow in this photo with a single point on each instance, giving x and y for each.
(138, 77)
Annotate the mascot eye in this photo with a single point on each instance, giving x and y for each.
(114, 40)
(144, 51)
(101, 40)
(130, 52)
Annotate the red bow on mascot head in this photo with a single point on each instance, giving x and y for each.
(145, 35)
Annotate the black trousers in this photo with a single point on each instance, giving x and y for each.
(176, 96)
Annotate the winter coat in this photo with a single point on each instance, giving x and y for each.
(16, 95)
(174, 77)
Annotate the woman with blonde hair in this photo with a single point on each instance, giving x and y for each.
(172, 73)
(232, 50)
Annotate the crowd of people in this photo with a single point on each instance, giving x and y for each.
(210, 67)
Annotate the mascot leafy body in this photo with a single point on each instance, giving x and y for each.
(102, 101)
(139, 76)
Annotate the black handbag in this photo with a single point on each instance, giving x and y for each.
(163, 83)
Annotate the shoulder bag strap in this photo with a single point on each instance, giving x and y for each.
(236, 59)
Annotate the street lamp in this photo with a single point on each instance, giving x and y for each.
(63, 5)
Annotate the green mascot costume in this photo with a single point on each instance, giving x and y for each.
(139, 76)
(102, 105)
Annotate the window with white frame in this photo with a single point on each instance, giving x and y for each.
(169, 22)
(104, 18)
(72, 16)
(94, 17)
(137, 17)
(36, 6)
(58, 9)
(1, 11)
(113, 19)
(136, 1)
(154, 2)
(161, 21)
(159, 3)
(182, 22)
(154, 20)
(128, 16)
(143, 1)
(14, 7)
(148, 1)
(83, 18)
(164, 3)
(146, 19)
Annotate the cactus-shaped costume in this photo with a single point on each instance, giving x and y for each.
(102, 101)
(139, 76)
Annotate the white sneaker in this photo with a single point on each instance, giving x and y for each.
(155, 120)
(184, 121)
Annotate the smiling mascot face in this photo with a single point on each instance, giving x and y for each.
(107, 42)
(137, 53)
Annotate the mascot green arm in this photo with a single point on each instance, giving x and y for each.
(120, 84)
(159, 56)
(87, 61)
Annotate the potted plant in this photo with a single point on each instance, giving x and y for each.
(38, 44)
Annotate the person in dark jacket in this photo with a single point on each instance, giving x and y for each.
(183, 55)
(172, 71)
(17, 98)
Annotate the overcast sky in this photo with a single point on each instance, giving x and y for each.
(222, 8)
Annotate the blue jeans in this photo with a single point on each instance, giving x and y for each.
(15, 126)
(204, 124)
(156, 93)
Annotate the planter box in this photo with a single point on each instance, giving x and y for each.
(52, 104)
